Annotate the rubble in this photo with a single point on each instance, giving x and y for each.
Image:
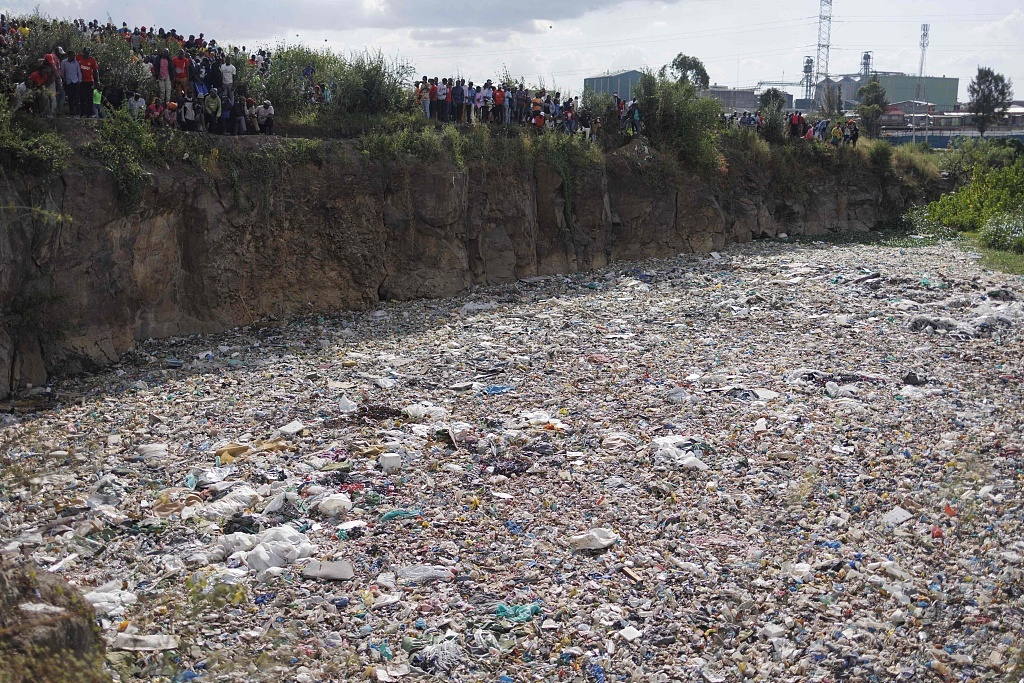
(785, 462)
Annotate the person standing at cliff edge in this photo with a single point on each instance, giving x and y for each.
(71, 73)
(90, 79)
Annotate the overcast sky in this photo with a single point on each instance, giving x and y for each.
(562, 41)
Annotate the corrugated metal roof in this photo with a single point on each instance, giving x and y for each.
(613, 74)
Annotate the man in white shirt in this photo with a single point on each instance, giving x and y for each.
(442, 98)
(265, 117)
(227, 73)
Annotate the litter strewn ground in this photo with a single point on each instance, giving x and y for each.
(778, 463)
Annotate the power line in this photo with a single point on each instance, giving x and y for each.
(709, 33)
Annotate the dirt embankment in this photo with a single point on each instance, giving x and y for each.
(206, 251)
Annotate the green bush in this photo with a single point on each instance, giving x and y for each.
(676, 118)
(744, 147)
(989, 194)
(970, 154)
(773, 128)
(364, 88)
(916, 165)
(879, 154)
(124, 143)
(30, 145)
(118, 68)
(1004, 231)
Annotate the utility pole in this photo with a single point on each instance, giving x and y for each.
(920, 80)
(824, 42)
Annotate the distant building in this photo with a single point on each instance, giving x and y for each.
(940, 91)
(1015, 115)
(893, 117)
(901, 88)
(738, 99)
(622, 82)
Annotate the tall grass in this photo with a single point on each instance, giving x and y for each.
(918, 167)
(676, 119)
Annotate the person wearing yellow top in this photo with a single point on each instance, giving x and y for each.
(837, 135)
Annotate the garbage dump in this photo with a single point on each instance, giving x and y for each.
(781, 462)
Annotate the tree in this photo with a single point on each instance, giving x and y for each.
(678, 120)
(990, 95)
(873, 102)
(772, 98)
(831, 101)
(687, 69)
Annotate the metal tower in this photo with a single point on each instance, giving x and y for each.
(920, 69)
(824, 41)
(808, 79)
(865, 65)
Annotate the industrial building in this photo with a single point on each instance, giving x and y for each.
(740, 99)
(621, 82)
(899, 87)
(937, 90)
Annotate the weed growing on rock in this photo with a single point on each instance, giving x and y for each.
(30, 145)
(124, 143)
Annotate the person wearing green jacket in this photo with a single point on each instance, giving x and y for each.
(97, 104)
(211, 108)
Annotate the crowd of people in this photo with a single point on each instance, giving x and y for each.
(826, 130)
(195, 86)
(196, 89)
(450, 100)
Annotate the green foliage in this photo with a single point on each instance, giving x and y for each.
(118, 68)
(990, 193)
(1004, 232)
(773, 127)
(687, 69)
(879, 154)
(424, 144)
(968, 154)
(991, 95)
(831, 102)
(744, 148)
(772, 98)
(598, 103)
(873, 103)
(30, 145)
(678, 120)
(363, 88)
(124, 143)
(915, 165)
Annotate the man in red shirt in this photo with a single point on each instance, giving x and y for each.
(90, 80)
(181, 64)
(434, 110)
(499, 103)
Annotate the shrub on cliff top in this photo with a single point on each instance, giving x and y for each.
(917, 166)
(364, 88)
(30, 145)
(118, 68)
(677, 119)
(124, 143)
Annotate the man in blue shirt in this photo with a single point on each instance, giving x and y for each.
(470, 97)
(71, 73)
(459, 101)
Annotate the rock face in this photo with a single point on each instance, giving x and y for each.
(47, 630)
(205, 251)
